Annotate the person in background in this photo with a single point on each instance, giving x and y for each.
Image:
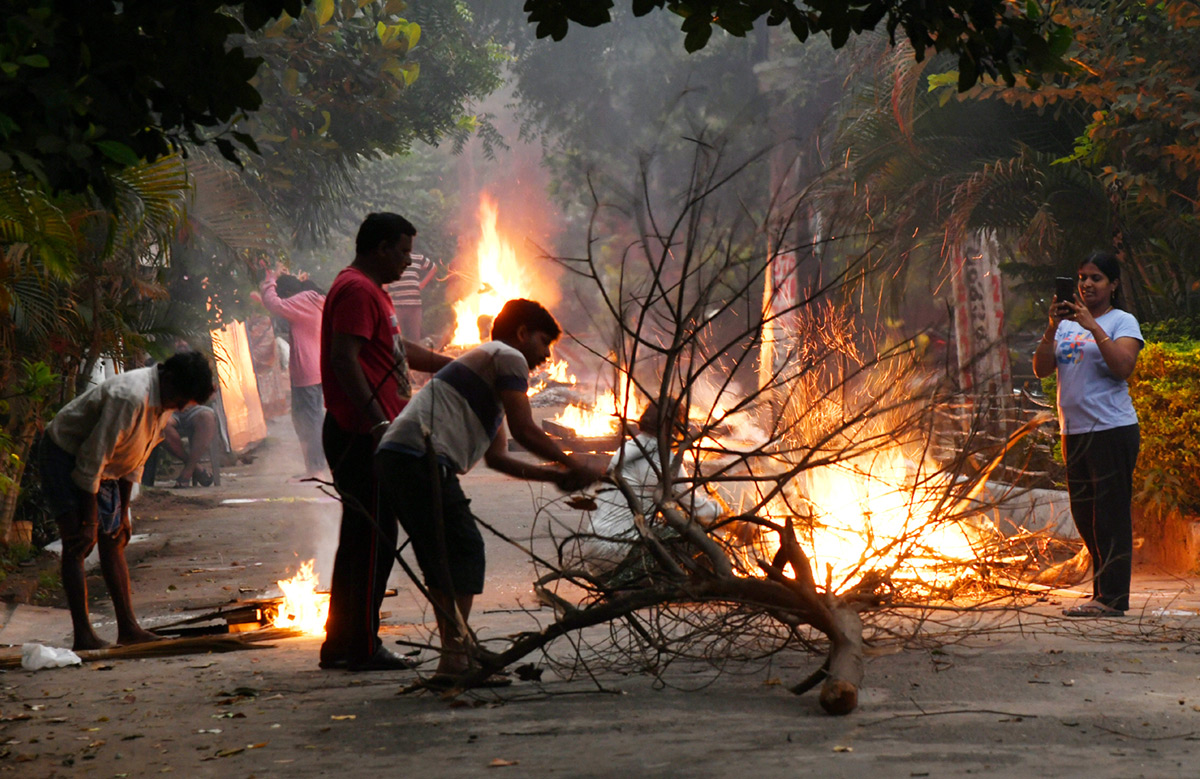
(611, 529)
(406, 295)
(93, 451)
(463, 408)
(1093, 345)
(198, 424)
(300, 302)
(365, 377)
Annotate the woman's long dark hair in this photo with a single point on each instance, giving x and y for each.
(1108, 265)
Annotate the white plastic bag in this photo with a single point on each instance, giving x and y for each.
(35, 657)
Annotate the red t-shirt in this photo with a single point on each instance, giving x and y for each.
(358, 306)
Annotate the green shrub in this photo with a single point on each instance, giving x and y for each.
(1166, 393)
(1176, 329)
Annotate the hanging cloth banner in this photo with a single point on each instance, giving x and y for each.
(978, 289)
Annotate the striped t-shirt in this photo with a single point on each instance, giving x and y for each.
(460, 406)
(407, 290)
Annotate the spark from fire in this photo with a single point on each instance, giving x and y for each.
(303, 608)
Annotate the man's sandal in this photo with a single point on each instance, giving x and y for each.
(1093, 609)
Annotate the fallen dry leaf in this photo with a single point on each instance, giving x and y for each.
(843, 749)
(582, 503)
(343, 716)
(499, 762)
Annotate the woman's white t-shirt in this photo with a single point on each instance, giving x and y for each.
(1090, 397)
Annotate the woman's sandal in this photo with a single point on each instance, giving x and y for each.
(1093, 609)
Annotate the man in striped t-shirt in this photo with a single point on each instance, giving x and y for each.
(406, 295)
(459, 415)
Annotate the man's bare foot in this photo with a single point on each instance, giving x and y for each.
(89, 642)
(136, 636)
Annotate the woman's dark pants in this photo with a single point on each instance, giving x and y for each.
(1100, 483)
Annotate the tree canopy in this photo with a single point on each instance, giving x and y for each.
(997, 38)
(358, 80)
(88, 88)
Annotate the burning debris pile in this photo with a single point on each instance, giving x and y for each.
(830, 505)
(302, 608)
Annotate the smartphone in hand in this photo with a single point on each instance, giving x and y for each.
(1064, 289)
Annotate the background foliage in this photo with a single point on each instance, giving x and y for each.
(89, 87)
(1166, 394)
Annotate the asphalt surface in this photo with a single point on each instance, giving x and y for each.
(1012, 693)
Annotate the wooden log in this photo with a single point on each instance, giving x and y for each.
(839, 693)
(170, 647)
(553, 428)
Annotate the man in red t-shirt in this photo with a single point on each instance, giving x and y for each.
(364, 373)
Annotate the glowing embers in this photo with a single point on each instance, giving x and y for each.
(303, 608)
(881, 513)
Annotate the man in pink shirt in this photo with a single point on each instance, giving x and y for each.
(300, 303)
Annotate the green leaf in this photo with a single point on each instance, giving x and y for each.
(7, 125)
(324, 11)
(34, 61)
(943, 80)
(1060, 40)
(118, 152)
(412, 31)
(697, 37)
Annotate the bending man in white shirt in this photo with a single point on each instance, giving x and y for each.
(93, 451)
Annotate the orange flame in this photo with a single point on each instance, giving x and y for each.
(873, 512)
(499, 277)
(601, 419)
(303, 608)
(557, 372)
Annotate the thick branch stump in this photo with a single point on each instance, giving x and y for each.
(839, 693)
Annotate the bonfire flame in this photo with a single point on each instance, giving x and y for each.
(303, 608)
(557, 372)
(498, 278)
(876, 512)
(602, 418)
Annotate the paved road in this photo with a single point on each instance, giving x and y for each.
(1020, 694)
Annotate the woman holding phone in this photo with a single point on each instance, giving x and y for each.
(1093, 345)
